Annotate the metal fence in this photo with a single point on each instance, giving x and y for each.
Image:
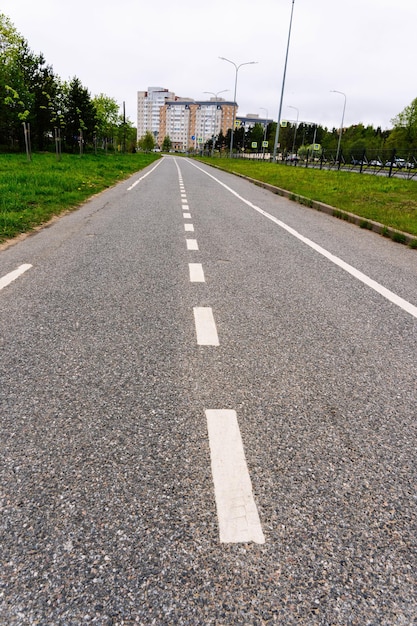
(388, 164)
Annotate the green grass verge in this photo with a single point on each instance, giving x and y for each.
(390, 201)
(31, 193)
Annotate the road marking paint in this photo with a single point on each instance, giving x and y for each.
(144, 176)
(189, 228)
(185, 207)
(196, 273)
(192, 244)
(366, 280)
(186, 216)
(184, 201)
(205, 326)
(236, 509)
(9, 278)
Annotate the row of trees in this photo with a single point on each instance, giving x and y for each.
(33, 97)
(356, 139)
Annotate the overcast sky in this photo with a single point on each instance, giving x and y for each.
(363, 48)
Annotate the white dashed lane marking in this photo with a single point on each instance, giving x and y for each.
(196, 273)
(205, 326)
(192, 244)
(189, 228)
(186, 216)
(9, 278)
(236, 509)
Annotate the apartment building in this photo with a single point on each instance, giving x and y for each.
(190, 124)
(148, 112)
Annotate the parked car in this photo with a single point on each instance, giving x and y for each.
(376, 163)
(396, 163)
(292, 158)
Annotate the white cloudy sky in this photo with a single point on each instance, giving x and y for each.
(364, 48)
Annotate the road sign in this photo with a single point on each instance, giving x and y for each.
(254, 144)
(265, 144)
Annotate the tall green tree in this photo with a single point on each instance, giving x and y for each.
(27, 87)
(404, 134)
(107, 119)
(14, 96)
(166, 144)
(79, 113)
(147, 142)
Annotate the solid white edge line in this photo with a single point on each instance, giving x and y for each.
(145, 175)
(205, 326)
(373, 284)
(196, 273)
(9, 278)
(236, 509)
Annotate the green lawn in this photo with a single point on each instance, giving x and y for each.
(390, 201)
(33, 192)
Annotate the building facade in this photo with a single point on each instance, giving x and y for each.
(148, 112)
(189, 124)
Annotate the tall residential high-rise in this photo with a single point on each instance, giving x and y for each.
(149, 105)
(188, 123)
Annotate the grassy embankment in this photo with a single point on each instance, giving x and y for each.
(31, 193)
(389, 201)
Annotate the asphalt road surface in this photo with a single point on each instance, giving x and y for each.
(208, 403)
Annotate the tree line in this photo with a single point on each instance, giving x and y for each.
(36, 103)
(303, 138)
(34, 100)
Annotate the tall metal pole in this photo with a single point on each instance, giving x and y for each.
(216, 96)
(237, 67)
(274, 156)
(341, 126)
(266, 124)
(296, 126)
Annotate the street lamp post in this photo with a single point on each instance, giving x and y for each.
(296, 126)
(266, 124)
(341, 125)
(216, 96)
(237, 67)
(274, 156)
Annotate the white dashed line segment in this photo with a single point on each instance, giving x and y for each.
(236, 509)
(192, 244)
(9, 278)
(196, 273)
(205, 326)
(189, 228)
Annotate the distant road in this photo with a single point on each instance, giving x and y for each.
(208, 402)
